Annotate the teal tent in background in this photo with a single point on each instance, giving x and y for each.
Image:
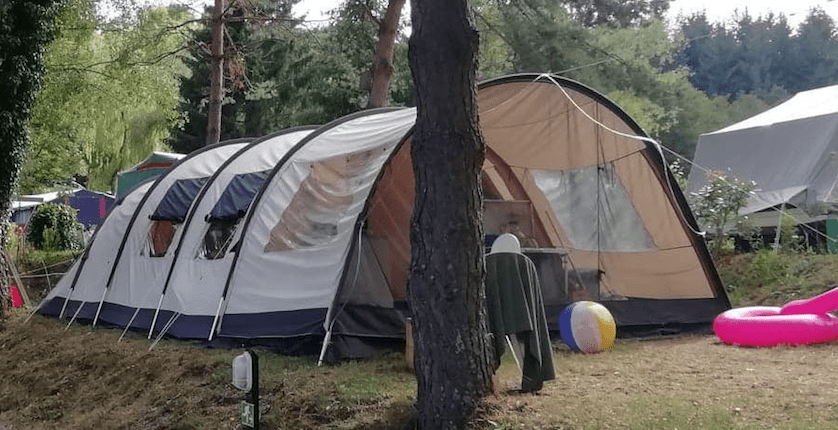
(152, 166)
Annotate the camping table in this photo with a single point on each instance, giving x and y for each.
(541, 257)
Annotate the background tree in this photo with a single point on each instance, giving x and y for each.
(54, 227)
(109, 97)
(615, 13)
(26, 27)
(385, 47)
(759, 55)
(291, 74)
(216, 92)
(445, 289)
(814, 59)
(257, 34)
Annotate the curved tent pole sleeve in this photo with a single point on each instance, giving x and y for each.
(122, 247)
(82, 261)
(84, 258)
(125, 235)
(359, 223)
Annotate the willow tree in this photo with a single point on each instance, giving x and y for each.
(446, 291)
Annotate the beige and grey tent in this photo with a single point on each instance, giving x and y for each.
(307, 247)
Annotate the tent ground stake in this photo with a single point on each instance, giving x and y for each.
(215, 320)
(74, 316)
(326, 340)
(154, 320)
(127, 326)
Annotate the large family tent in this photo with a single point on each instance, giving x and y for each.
(300, 240)
(788, 150)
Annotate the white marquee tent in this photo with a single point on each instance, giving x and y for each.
(789, 151)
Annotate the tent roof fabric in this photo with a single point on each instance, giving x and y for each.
(150, 167)
(156, 159)
(788, 151)
(317, 219)
(803, 105)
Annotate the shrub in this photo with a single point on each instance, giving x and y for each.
(54, 227)
(717, 203)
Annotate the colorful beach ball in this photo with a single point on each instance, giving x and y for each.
(587, 327)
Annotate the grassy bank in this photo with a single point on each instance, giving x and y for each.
(769, 278)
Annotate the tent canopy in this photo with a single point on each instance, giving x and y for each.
(789, 151)
(301, 239)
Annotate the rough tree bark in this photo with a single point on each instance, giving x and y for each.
(382, 68)
(216, 74)
(446, 291)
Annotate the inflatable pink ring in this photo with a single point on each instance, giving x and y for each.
(801, 322)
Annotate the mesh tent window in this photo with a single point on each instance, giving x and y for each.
(224, 218)
(160, 237)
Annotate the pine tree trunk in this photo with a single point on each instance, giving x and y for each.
(382, 70)
(216, 75)
(446, 291)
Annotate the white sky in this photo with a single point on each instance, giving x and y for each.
(723, 10)
(717, 10)
(315, 9)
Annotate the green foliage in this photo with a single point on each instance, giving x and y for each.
(789, 240)
(679, 173)
(705, 78)
(295, 75)
(626, 62)
(717, 204)
(26, 27)
(109, 96)
(54, 227)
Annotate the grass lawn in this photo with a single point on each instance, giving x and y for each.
(80, 378)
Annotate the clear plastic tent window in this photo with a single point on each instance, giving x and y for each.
(594, 209)
(312, 217)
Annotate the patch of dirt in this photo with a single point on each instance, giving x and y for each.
(84, 379)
